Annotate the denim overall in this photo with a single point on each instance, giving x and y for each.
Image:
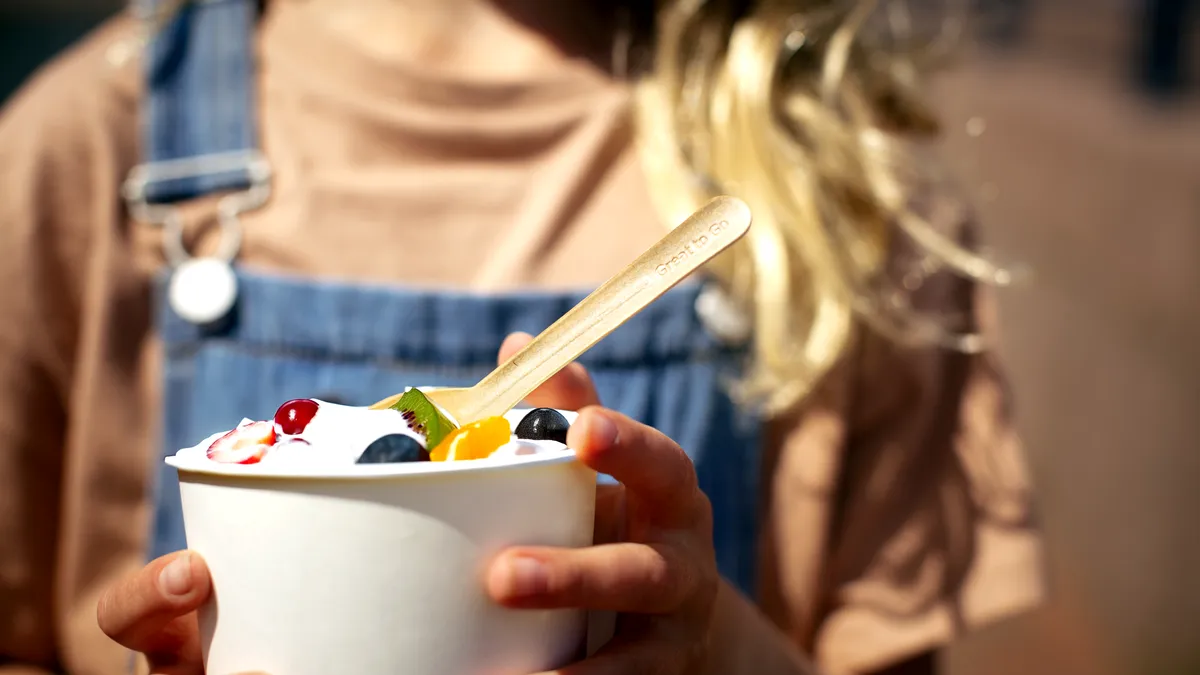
(292, 337)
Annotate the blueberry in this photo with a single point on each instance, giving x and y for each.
(393, 448)
(543, 424)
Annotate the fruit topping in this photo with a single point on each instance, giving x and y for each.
(476, 440)
(293, 416)
(393, 448)
(244, 445)
(543, 424)
(423, 417)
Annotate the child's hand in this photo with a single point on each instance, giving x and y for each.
(662, 575)
(154, 612)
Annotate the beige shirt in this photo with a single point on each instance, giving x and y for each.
(899, 509)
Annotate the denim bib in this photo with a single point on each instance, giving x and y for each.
(289, 337)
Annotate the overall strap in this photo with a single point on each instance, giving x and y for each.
(198, 109)
(199, 138)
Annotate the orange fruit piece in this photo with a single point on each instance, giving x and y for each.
(476, 440)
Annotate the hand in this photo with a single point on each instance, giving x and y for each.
(661, 575)
(154, 612)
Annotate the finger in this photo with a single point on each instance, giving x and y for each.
(569, 389)
(148, 612)
(610, 514)
(656, 472)
(622, 577)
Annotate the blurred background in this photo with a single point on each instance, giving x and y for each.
(1077, 125)
(1088, 169)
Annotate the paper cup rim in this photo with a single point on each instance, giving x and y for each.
(369, 471)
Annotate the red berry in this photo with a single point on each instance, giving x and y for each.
(293, 416)
(244, 445)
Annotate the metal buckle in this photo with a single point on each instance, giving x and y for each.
(229, 207)
(721, 315)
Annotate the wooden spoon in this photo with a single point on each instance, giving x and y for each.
(694, 242)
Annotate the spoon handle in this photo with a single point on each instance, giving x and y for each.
(707, 232)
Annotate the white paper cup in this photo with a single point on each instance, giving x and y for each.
(377, 569)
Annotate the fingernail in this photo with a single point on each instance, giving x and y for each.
(176, 577)
(605, 432)
(525, 577)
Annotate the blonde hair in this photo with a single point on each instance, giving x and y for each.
(789, 105)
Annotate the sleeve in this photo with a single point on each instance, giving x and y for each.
(49, 132)
(34, 379)
(901, 511)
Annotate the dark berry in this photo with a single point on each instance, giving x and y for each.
(293, 416)
(394, 448)
(543, 424)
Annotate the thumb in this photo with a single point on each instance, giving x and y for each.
(148, 612)
(569, 389)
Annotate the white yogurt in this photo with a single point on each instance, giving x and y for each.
(337, 435)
